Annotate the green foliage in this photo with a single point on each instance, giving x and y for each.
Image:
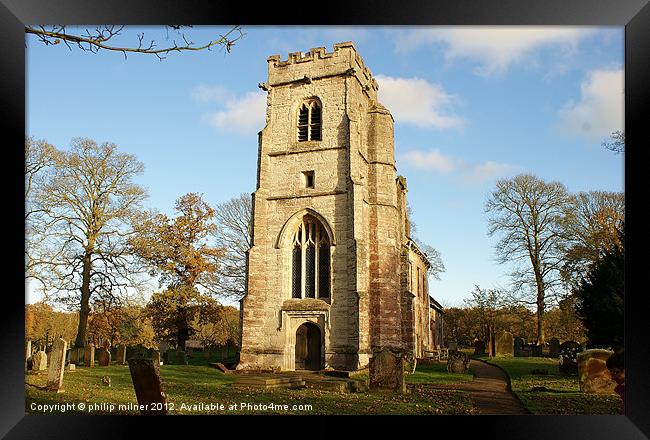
(175, 313)
(600, 298)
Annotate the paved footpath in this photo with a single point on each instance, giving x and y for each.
(489, 391)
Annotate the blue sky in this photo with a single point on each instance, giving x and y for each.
(471, 105)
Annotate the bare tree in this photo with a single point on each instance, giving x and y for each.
(103, 38)
(433, 255)
(86, 203)
(616, 143)
(39, 159)
(530, 216)
(234, 220)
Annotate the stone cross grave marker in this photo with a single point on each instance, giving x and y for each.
(57, 364)
(145, 374)
(386, 370)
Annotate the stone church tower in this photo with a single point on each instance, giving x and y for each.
(333, 275)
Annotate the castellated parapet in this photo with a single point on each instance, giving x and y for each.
(318, 64)
(331, 275)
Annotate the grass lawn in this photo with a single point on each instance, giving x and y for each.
(188, 387)
(563, 397)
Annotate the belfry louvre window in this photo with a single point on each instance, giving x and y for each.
(309, 121)
(310, 268)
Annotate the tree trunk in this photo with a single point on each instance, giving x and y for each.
(84, 310)
(540, 316)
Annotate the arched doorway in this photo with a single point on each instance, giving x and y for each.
(308, 347)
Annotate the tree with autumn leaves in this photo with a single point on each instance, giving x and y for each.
(181, 251)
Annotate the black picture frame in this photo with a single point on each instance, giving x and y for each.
(633, 14)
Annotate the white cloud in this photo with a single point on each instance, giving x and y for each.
(243, 115)
(204, 93)
(435, 160)
(600, 110)
(431, 160)
(488, 171)
(418, 102)
(495, 48)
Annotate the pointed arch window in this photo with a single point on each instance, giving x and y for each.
(309, 121)
(310, 256)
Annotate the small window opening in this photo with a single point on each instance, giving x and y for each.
(308, 178)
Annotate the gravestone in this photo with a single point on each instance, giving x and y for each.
(89, 356)
(145, 374)
(503, 344)
(410, 363)
(104, 357)
(536, 350)
(72, 367)
(57, 364)
(554, 347)
(458, 362)
(518, 346)
(568, 357)
(39, 361)
(593, 374)
(120, 358)
(28, 354)
(479, 347)
(386, 370)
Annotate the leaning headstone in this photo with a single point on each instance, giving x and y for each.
(57, 364)
(120, 358)
(568, 357)
(554, 347)
(458, 362)
(479, 347)
(89, 356)
(386, 371)
(503, 344)
(104, 357)
(145, 374)
(593, 374)
(518, 346)
(39, 361)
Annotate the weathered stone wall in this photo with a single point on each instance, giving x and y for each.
(356, 196)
